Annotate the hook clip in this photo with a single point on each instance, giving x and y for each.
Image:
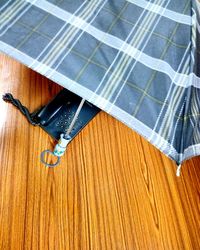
(42, 158)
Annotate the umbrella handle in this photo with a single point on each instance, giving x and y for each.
(58, 151)
(61, 146)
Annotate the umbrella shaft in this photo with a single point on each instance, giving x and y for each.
(74, 118)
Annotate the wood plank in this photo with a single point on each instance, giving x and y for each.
(113, 190)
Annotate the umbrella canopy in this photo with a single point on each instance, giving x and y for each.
(135, 59)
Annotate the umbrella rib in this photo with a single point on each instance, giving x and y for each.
(66, 135)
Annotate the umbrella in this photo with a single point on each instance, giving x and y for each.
(135, 59)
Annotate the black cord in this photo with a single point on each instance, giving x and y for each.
(10, 99)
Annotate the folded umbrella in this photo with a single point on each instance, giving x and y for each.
(135, 59)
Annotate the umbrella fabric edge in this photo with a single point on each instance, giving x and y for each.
(190, 152)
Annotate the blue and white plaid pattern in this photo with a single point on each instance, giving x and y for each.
(135, 59)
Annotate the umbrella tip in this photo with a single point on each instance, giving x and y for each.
(178, 171)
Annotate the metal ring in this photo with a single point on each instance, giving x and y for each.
(49, 164)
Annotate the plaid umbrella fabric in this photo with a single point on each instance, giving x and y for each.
(135, 59)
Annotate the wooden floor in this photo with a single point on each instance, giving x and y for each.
(113, 190)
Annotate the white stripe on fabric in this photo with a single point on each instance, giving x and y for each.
(3, 6)
(10, 11)
(137, 40)
(146, 9)
(172, 15)
(124, 56)
(176, 95)
(174, 128)
(77, 39)
(198, 26)
(58, 33)
(191, 151)
(117, 43)
(134, 64)
(168, 114)
(71, 32)
(17, 14)
(168, 95)
(195, 104)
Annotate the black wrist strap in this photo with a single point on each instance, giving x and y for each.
(10, 99)
(57, 115)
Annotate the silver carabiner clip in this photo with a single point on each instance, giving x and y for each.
(42, 158)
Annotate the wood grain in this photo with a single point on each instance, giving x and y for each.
(113, 189)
